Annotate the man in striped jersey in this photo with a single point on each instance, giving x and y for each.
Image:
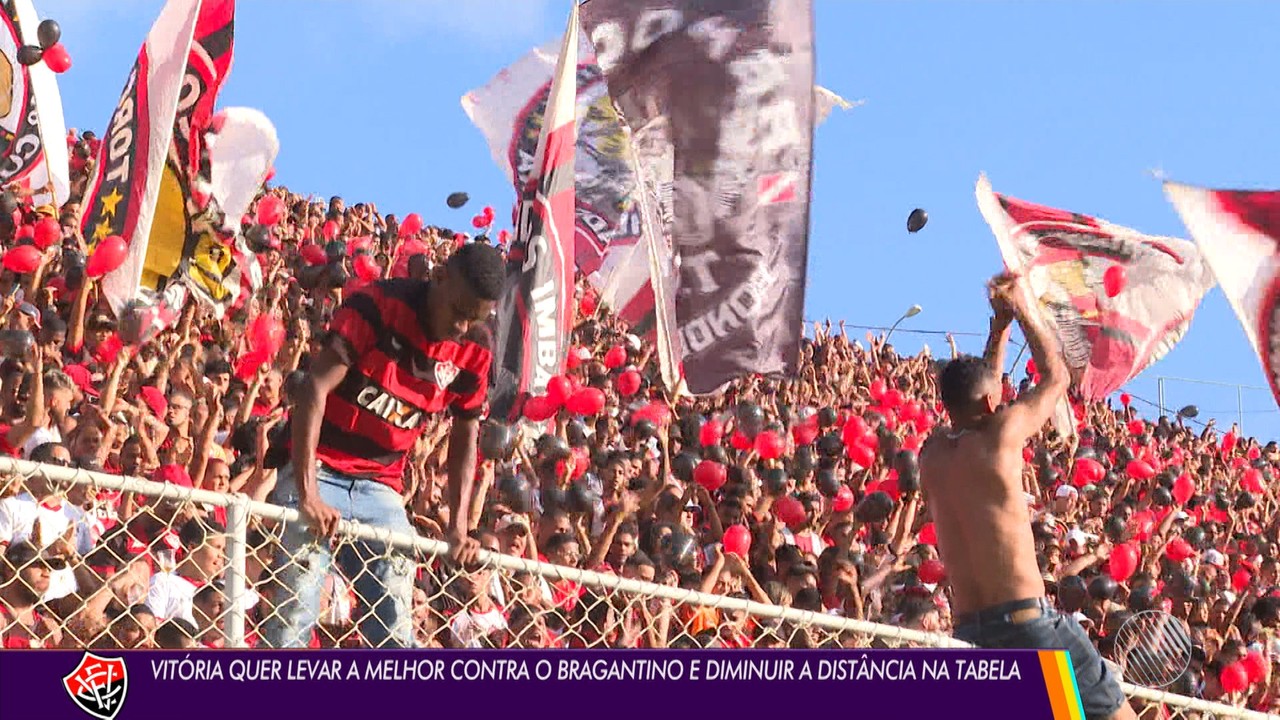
(398, 351)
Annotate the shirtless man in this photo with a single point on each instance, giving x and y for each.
(971, 473)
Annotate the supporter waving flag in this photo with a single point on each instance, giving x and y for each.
(719, 96)
(126, 185)
(1118, 300)
(535, 315)
(30, 110)
(1238, 232)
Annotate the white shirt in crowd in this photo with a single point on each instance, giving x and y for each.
(40, 437)
(468, 626)
(172, 595)
(18, 515)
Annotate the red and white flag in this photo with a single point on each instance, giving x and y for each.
(1117, 299)
(1238, 232)
(535, 314)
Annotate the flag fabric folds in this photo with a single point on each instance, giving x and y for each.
(1238, 232)
(130, 170)
(535, 314)
(720, 99)
(1064, 258)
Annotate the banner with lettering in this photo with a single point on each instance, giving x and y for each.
(719, 95)
(124, 192)
(186, 245)
(535, 314)
(27, 95)
(1239, 233)
(1117, 299)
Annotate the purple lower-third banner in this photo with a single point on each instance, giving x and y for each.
(218, 684)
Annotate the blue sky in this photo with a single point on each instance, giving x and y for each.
(1067, 104)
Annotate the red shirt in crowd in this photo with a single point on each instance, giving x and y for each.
(397, 378)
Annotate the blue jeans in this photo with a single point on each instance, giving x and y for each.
(383, 577)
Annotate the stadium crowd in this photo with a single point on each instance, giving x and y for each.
(798, 491)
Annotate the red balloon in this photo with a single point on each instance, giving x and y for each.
(656, 412)
(1240, 579)
(1032, 370)
(710, 475)
(804, 433)
(587, 401)
(931, 572)
(843, 500)
(1234, 678)
(1140, 470)
(737, 540)
(878, 389)
(107, 256)
(367, 269)
(1179, 550)
(26, 231)
(504, 237)
(57, 58)
(789, 510)
(712, 433)
(330, 229)
(1252, 480)
(411, 225)
(1255, 666)
(1254, 453)
(862, 455)
(1137, 427)
(913, 442)
(581, 462)
(740, 441)
(1183, 488)
(249, 364)
(892, 399)
(1228, 443)
(540, 407)
(22, 259)
(108, 350)
(266, 334)
(1125, 399)
(587, 305)
(929, 534)
(1123, 563)
(629, 383)
(1087, 471)
(855, 430)
(480, 221)
(1114, 280)
(488, 212)
(616, 357)
(313, 255)
(769, 446)
(559, 389)
(47, 233)
(270, 210)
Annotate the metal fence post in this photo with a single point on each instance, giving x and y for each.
(237, 543)
(1240, 407)
(1160, 391)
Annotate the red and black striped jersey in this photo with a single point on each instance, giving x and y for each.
(396, 378)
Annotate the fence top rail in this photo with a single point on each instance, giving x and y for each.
(432, 547)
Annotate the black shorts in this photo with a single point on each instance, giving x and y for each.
(1100, 692)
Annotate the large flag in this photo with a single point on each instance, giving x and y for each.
(1238, 232)
(1064, 258)
(123, 195)
(720, 98)
(30, 111)
(241, 155)
(609, 247)
(535, 315)
(185, 246)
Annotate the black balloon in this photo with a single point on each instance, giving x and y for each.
(908, 466)
(716, 453)
(30, 55)
(457, 200)
(775, 481)
(1115, 529)
(337, 275)
(645, 429)
(827, 417)
(576, 431)
(1086, 452)
(8, 204)
(49, 33)
(496, 440)
(335, 250)
(1124, 456)
(554, 498)
(73, 262)
(1245, 500)
(750, 418)
(828, 484)
(1161, 497)
(258, 238)
(876, 507)
(16, 344)
(682, 466)
(681, 549)
(889, 442)
(582, 499)
(831, 445)
(1103, 588)
(1195, 536)
(1142, 599)
(917, 220)
(1190, 411)
(802, 464)
(690, 429)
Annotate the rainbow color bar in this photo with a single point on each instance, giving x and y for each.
(1060, 681)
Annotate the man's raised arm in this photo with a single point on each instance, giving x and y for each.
(1028, 414)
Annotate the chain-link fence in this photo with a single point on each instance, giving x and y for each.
(123, 563)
